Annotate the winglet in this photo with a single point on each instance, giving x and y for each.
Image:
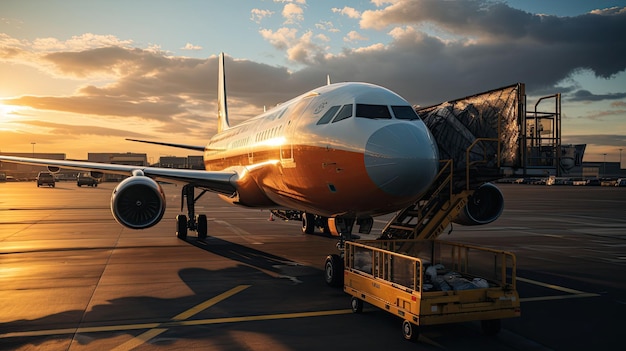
(328, 79)
(222, 108)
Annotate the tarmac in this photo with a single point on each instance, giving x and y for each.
(71, 278)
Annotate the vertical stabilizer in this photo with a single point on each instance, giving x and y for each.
(222, 108)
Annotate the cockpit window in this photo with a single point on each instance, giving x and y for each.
(372, 111)
(405, 112)
(328, 115)
(345, 112)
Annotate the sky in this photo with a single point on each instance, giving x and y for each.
(81, 76)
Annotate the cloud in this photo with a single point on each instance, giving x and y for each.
(616, 140)
(257, 15)
(354, 36)
(326, 26)
(586, 95)
(618, 104)
(192, 47)
(293, 13)
(75, 130)
(302, 49)
(347, 11)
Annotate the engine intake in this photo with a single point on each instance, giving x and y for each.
(138, 202)
(483, 207)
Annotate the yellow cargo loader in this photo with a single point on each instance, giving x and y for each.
(427, 282)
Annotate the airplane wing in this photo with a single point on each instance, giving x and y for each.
(220, 182)
(181, 146)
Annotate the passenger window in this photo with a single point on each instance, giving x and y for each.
(328, 115)
(405, 112)
(372, 111)
(345, 112)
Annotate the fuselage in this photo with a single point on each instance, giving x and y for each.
(347, 149)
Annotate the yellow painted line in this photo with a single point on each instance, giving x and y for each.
(177, 323)
(140, 339)
(551, 286)
(153, 333)
(573, 293)
(559, 297)
(265, 317)
(208, 303)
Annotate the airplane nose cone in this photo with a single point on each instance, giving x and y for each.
(402, 159)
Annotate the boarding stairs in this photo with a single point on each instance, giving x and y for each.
(442, 203)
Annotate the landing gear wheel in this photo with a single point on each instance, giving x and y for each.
(357, 305)
(410, 332)
(325, 227)
(181, 227)
(491, 326)
(202, 226)
(308, 223)
(333, 271)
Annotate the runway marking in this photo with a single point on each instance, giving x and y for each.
(182, 323)
(572, 292)
(152, 333)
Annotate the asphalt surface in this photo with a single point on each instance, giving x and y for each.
(71, 278)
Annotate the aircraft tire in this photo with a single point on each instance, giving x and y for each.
(325, 227)
(181, 227)
(202, 227)
(308, 223)
(333, 271)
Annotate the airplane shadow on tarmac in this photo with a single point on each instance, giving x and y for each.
(276, 286)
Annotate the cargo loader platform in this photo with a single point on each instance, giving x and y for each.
(427, 282)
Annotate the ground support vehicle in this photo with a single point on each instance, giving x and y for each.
(45, 178)
(427, 282)
(88, 180)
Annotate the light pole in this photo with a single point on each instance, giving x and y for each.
(33, 144)
(604, 166)
(620, 158)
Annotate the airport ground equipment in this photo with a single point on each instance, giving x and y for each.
(428, 282)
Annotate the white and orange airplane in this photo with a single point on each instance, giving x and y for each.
(344, 152)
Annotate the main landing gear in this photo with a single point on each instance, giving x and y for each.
(194, 223)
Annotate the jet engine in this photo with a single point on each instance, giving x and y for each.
(138, 202)
(483, 207)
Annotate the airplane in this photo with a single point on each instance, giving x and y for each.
(338, 154)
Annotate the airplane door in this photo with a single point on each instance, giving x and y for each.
(292, 115)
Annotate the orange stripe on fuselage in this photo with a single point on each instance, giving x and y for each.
(319, 180)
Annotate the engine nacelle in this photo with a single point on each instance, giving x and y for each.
(138, 202)
(483, 207)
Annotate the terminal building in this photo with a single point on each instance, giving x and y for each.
(14, 171)
(25, 172)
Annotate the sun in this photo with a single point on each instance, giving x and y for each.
(9, 112)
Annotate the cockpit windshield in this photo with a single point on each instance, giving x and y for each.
(405, 112)
(372, 111)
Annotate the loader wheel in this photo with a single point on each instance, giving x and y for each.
(357, 305)
(410, 332)
(333, 271)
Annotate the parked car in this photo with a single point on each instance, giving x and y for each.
(84, 179)
(594, 182)
(621, 182)
(45, 178)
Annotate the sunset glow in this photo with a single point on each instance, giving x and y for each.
(82, 81)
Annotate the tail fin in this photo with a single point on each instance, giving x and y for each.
(222, 108)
